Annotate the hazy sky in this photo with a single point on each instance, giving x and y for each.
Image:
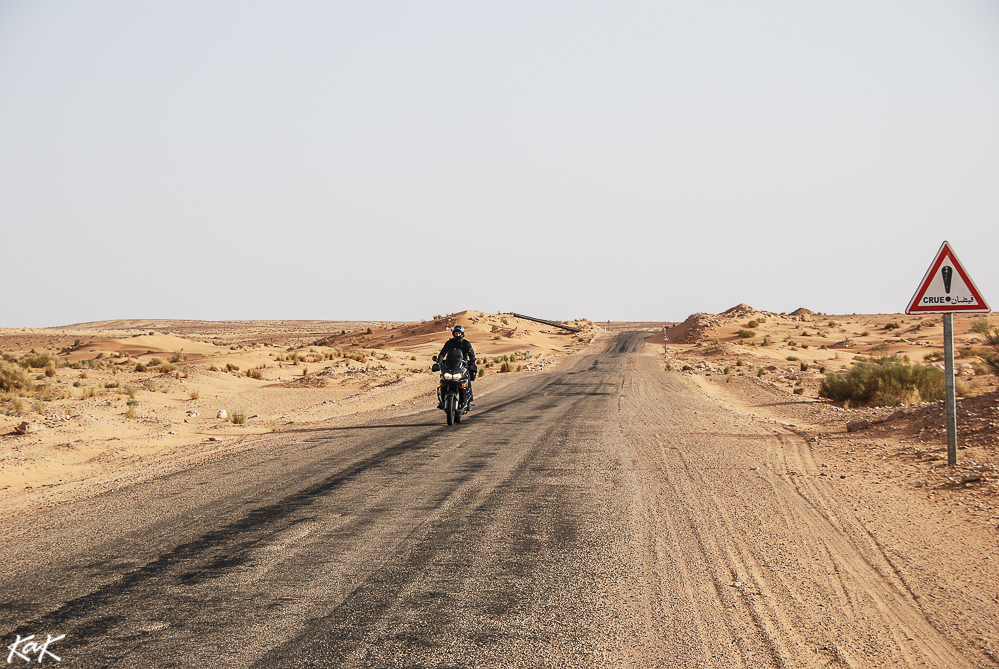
(395, 160)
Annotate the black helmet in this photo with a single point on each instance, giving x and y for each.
(458, 331)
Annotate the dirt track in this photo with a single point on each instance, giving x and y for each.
(605, 514)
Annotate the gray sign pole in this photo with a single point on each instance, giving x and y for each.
(948, 320)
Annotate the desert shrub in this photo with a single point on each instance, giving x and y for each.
(746, 334)
(213, 368)
(153, 362)
(13, 378)
(865, 333)
(88, 392)
(229, 367)
(139, 367)
(166, 368)
(237, 416)
(793, 358)
(934, 356)
(178, 356)
(255, 373)
(967, 353)
(991, 358)
(686, 368)
(892, 326)
(38, 360)
(131, 412)
(193, 394)
(804, 366)
(799, 391)
(185, 372)
(760, 372)
(753, 324)
(110, 384)
(766, 341)
(980, 326)
(129, 390)
(149, 385)
(506, 366)
(739, 363)
(885, 382)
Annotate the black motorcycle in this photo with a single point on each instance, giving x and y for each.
(454, 394)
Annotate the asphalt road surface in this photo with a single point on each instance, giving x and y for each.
(606, 514)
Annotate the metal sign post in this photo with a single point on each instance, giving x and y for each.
(946, 288)
(951, 401)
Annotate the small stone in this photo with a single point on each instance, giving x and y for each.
(23, 428)
(222, 414)
(214, 439)
(856, 425)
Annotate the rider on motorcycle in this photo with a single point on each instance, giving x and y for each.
(459, 342)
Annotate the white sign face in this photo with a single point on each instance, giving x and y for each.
(946, 288)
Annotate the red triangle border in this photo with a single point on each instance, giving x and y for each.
(980, 306)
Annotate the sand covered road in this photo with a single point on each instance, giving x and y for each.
(605, 514)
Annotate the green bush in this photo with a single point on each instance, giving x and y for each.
(885, 382)
(38, 361)
(991, 358)
(980, 326)
(746, 334)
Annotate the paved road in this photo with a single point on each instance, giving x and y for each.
(605, 514)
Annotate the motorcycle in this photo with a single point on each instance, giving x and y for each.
(454, 393)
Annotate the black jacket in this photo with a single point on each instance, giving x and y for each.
(462, 345)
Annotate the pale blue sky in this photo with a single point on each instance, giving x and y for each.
(395, 160)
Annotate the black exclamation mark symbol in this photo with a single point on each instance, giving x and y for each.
(948, 273)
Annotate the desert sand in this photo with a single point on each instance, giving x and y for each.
(131, 400)
(270, 376)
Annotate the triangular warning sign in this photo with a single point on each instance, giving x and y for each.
(946, 288)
